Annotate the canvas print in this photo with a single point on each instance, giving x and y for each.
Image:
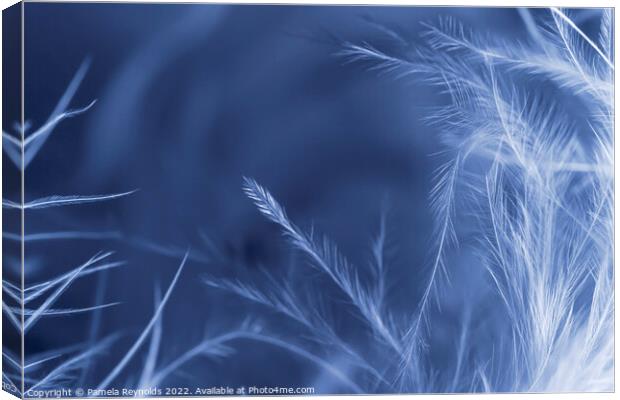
(301, 200)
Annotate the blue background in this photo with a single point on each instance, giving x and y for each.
(192, 98)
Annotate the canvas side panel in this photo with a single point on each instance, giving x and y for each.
(12, 195)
